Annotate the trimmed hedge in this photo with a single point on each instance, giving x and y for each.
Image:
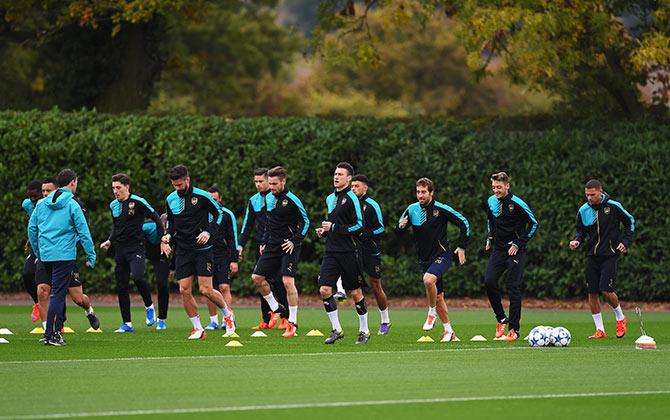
(548, 165)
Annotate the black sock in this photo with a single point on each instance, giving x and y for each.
(361, 307)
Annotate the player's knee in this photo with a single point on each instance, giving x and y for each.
(42, 292)
(325, 292)
(205, 289)
(258, 280)
(185, 290)
(429, 280)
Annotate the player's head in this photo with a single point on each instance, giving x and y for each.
(215, 192)
(500, 184)
(67, 178)
(48, 185)
(34, 191)
(593, 191)
(277, 179)
(342, 176)
(261, 179)
(180, 178)
(424, 190)
(359, 185)
(121, 186)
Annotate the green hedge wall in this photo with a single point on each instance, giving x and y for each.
(549, 164)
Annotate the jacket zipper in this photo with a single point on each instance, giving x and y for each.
(595, 250)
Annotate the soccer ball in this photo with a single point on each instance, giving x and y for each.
(560, 337)
(538, 337)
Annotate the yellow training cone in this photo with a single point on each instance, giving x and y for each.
(314, 333)
(91, 330)
(233, 335)
(233, 343)
(68, 330)
(425, 339)
(259, 334)
(37, 330)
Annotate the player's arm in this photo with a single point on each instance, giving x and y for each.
(377, 225)
(83, 233)
(247, 224)
(230, 234)
(531, 224)
(403, 221)
(217, 215)
(33, 232)
(150, 213)
(463, 225)
(303, 220)
(356, 217)
(629, 224)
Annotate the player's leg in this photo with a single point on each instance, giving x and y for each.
(495, 267)
(43, 283)
(30, 286)
(515, 266)
(137, 262)
(327, 281)
(372, 266)
(76, 292)
(161, 273)
(608, 274)
(122, 277)
(269, 266)
(61, 274)
(448, 333)
(430, 282)
(212, 309)
(280, 293)
(593, 289)
(362, 311)
(289, 268)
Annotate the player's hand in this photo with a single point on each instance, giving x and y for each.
(319, 232)
(88, 264)
(513, 249)
(171, 274)
(461, 255)
(233, 268)
(105, 245)
(26, 247)
(287, 246)
(574, 245)
(202, 238)
(165, 249)
(622, 248)
(261, 250)
(240, 250)
(403, 222)
(487, 247)
(326, 225)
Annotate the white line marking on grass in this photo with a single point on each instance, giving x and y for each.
(195, 410)
(335, 353)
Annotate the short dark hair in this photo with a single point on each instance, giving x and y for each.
(594, 183)
(500, 176)
(122, 178)
(347, 166)
(214, 189)
(425, 182)
(50, 180)
(261, 172)
(361, 178)
(65, 177)
(178, 172)
(278, 172)
(34, 185)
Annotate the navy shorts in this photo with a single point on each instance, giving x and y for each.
(372, 265)
(42, 276)
(601, 273)
(190, 262)
(437, 267)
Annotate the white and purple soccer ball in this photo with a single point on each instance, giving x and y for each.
(538, 337)
(559, 337)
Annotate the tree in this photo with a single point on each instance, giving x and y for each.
(593, 54)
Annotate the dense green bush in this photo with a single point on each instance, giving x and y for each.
(549, 164)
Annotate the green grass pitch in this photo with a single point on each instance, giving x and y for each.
(159, 374)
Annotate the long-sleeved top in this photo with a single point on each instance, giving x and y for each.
(373, 226)
(254, 216)
(225, 239)
(429, 224)
(286, 219)
(28, 206)
(128, 217)
(600, 224)
(344, 212)
(510, 220)
(55, 227)
(188, 215)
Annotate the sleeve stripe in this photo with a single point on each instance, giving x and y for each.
(458, 215)
(233, 222)
(359, 215)
(303, 212)
(530, 214)
(378, 212)
(630, 216)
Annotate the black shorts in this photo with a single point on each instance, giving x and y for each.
(341, 264)
(29, 265)
(437, 267)
(189, 262)
(274, 262)
(153, 251)
(601, 273)
(42, 276)
(221, 270)
(372, 265)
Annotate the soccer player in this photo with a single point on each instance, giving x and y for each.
(161, 265)
(342, 228)
(55, 227)
(429, 219)
(370, 246)
(225, 258)
(511, 224)
(255, 216)
(128, 214)
(599, 220)
(34, 193)
(188, 211)
(42, 279)
(286, 227)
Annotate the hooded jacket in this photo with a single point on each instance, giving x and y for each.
(600, 224)
(55, 226)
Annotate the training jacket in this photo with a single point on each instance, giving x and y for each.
(370, 236)
(600, 224)
(128, 218)
(255, 214)
(286, 219)
(225, 239)
(55, 226)
(188, 216)
(344, 212)
(429, 224)
(510, 220)
(28, 206)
